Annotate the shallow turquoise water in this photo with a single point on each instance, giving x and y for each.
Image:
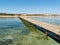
(14, 32)
(51, 20)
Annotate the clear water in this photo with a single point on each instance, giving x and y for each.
(51, 20)
(14, 32)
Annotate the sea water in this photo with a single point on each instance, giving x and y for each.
(52, 19)
(14, 32)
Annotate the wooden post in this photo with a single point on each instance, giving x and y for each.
(46, 34)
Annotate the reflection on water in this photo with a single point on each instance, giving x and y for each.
(14, 32)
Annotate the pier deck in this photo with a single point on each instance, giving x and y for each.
(50, 27)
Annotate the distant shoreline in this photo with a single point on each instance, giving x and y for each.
(28, 15)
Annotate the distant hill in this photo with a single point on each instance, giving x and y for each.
(6, 14)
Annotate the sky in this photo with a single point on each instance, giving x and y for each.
(30, 6)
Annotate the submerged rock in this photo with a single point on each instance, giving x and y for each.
(6, 42)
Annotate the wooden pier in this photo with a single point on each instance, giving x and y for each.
(53, 30)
